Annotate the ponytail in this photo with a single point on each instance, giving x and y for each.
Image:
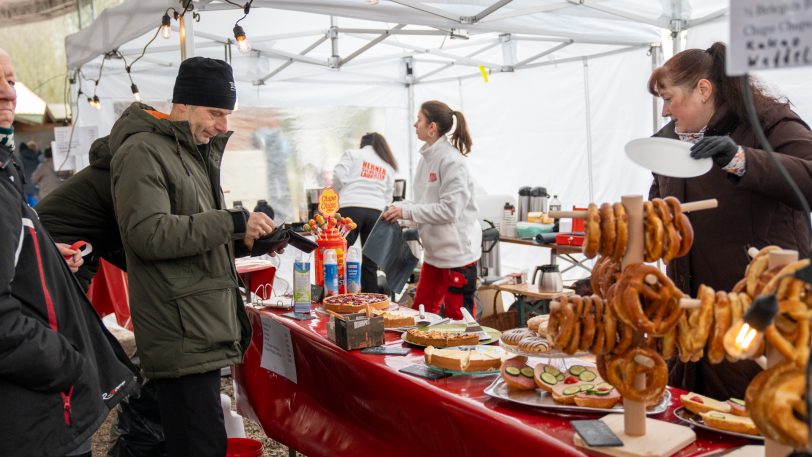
(381, 147)
(439, 113)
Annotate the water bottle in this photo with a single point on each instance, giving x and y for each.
(264, 207)
(353, 270)
(555, 204)
(330, 273)
(301, 284)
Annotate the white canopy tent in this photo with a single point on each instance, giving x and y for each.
(565, 90)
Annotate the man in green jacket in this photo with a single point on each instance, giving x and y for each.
(188, 317)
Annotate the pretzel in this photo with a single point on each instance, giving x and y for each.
(650, 308)
(765, 278)
(622, 371)
(577, 308)
(621, 231)
(785, 286)
(683, 226)
(721, 323)
(672, 244)
(758, 265)
(695, 324)
(561, 325)
(668, 344)
(608, 228)
(736, 315)
(587, 325)
(592, 231)
(597, 275)
(626, 334)
(609, 322)
(601, 361)
(778, 408)
(655, 233)
(740, 286)
(600, 329)
(789, 331)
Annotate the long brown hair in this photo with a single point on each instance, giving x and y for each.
(381, 147)
(439, 113)
(686, 68)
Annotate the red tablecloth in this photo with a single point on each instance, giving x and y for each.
(349, 403)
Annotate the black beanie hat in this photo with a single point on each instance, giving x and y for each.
(205, 82)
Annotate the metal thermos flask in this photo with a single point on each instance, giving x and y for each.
(523, 204)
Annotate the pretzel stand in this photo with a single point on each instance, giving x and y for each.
(641, 436)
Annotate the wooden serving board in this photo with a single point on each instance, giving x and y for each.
(661, 439)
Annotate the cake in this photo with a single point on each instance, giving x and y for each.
(355, 303)
(397, 319)
(459, 360)
(441, 338)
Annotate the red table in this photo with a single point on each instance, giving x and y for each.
(349, 403)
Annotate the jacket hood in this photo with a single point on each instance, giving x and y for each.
(100, 154)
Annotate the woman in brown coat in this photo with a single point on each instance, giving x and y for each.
(756, 207)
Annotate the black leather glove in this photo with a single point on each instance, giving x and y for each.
(719, 148)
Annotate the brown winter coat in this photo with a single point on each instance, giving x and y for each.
(757, 210)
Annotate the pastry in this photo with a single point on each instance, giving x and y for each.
(537, 322)
(534, 345)
(514, 336)
(459, 360)
(592, 232)
(397, 319)
(441, 338)
(355, 303)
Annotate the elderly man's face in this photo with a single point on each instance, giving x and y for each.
(8, 94)
(207, 123)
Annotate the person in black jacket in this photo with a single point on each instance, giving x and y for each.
(60, 370)
(82, 209)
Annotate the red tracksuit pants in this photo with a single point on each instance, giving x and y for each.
(452, 287)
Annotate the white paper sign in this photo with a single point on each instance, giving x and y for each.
(71, 153)
(277, 349)
(767, 34)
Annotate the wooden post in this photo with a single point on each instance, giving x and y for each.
(777, 258)
(634, 412)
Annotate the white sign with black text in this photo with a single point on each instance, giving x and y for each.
(71, 147)
(277, 349)
(768, 34)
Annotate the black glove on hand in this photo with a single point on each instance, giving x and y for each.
(720, 148)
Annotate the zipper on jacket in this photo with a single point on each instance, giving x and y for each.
(182, 162)
(49, 304)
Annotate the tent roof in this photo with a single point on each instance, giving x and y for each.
(15, 12)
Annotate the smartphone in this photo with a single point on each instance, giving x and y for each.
(596, 433)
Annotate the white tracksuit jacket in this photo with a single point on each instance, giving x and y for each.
(363, 179)
(444, 209)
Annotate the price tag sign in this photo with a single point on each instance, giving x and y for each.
(328, 202)
(768, 34)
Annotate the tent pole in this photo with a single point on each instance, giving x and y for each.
(655, 109)
(187, 44)
(588, 116)
(409, 133)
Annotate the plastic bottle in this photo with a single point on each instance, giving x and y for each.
(330, 273)
(235, 427)
(353, 270)
(555, 204)
(301, 284)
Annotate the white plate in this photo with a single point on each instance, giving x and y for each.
(667, 157)
(551, 354)
(541, 399)
(684, 415)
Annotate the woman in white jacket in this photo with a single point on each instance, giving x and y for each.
(444, 210)
(365, 179)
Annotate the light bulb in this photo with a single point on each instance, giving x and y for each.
(96, 102)
(242, 43)
(136, 94)
(165, 28)
(742, 341)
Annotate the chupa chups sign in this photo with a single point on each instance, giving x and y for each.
(328, 202)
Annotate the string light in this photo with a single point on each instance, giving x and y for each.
(96, 103)
(166, 30)
(242, 43)
(136, 94)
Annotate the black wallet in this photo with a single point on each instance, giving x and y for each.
(280, 238)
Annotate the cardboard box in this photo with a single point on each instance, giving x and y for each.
(356, 331)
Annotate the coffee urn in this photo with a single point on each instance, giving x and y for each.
(538, 199)
(488, 265)
(313, 201)
(523, 206)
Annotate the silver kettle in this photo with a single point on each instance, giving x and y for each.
(550, 279)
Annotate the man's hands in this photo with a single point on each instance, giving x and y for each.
(73, 257)
(720, 148)
(257, 226)
(392, 214)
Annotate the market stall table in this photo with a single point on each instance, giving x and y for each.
(354, 404)
(557, 252)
